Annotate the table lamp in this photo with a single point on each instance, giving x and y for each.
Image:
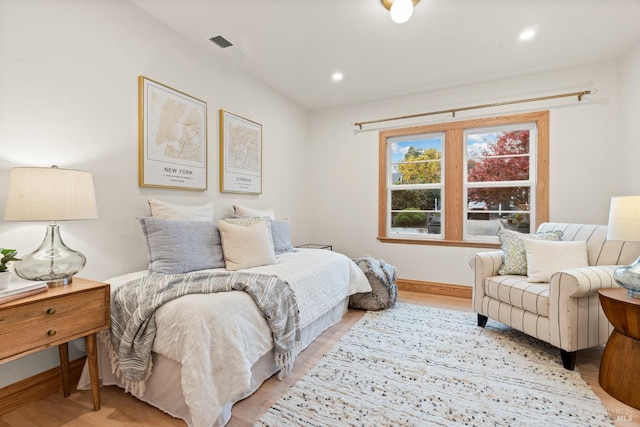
(624, 224)
(50, 194)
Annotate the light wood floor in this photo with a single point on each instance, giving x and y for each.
(120, 409)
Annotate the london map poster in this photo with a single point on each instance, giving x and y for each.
(240, 154)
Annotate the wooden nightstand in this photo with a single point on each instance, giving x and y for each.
(55, 317)
(316, 246)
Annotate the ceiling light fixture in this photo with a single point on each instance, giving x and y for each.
(400, 10)
(337, 76)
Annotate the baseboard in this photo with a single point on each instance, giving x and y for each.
(434, 288)
(37, 387)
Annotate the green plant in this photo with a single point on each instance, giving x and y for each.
(410, 217)
(8, 255)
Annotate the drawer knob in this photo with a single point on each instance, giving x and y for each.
(52, 332)
(51, 311)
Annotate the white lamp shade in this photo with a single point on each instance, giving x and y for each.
(624, 219)
(50, 194)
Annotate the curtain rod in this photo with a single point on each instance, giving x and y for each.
(453, 111)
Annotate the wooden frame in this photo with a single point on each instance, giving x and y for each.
(454, 199)
(240, 154)
(172, 138)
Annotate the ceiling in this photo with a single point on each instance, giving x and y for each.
(294, 46)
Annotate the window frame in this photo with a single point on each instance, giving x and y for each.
(429, 186)
(454, 154)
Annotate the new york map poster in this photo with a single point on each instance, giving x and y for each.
(172, 138)
(240, 154)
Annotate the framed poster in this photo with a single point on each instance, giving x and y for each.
(240, 154)
(172, 138)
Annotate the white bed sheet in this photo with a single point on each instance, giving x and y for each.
(216, 339)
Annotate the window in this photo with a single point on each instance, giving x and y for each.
(416, 185)
(457, 183)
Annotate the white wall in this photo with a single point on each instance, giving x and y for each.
(628, 115)
(583, 139)
(68, 96)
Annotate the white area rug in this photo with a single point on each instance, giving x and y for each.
(421, 366)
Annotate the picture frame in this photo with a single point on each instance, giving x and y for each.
(240, 154)
(172, 138)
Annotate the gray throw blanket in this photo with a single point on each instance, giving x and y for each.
(133, 326)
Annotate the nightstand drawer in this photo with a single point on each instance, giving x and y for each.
(53, 309)
(52, 332)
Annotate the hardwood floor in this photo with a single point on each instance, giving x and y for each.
(120, 409)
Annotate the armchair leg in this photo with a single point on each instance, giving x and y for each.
(482, 320)
(568, 359)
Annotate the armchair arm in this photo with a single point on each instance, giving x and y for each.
(483, 264)
(486, 264)
(581, 282)
(574, 307)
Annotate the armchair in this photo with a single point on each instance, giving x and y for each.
(565, 312)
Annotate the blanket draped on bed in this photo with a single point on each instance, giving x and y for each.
(133, 326)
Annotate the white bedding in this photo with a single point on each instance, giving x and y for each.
(217, 338)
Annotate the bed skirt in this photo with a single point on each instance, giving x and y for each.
(163, 388)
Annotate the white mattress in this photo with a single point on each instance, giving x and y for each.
(212, 350)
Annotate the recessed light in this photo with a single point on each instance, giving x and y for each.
(337, 76)
(527, 34)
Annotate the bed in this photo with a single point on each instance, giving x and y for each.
(212, 350)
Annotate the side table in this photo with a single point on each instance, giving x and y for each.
(316, 246)
(53, 318)
(620, 364)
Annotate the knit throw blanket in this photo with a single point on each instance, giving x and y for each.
(133, 326)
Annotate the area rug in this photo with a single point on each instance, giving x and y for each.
(421, 366)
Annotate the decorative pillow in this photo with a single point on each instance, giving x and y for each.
(179, 212)
(515, 257)
(281, 235)
(547, 258)
(247, 244)
(244, 212)
(175, 247)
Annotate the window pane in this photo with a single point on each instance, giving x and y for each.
(499, 199)
(415, 199)
(415, 222)
(487, 223)
(491, 208)
(498, 156)
(415, 211)
(417, 161)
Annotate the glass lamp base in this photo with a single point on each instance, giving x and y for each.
(629, 278)
(52, 262)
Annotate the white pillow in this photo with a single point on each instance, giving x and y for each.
(246, 246)
(245, 212)
(545, 258)
(173, 212)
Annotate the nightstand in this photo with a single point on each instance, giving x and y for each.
(55, 317)
(316, 246)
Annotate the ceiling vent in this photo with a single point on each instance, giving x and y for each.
(221, 42)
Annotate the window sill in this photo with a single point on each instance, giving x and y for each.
(458, 243)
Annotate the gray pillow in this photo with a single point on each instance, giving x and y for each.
(281, 235)
(175, 247)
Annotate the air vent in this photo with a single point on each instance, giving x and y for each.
(221, 41)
